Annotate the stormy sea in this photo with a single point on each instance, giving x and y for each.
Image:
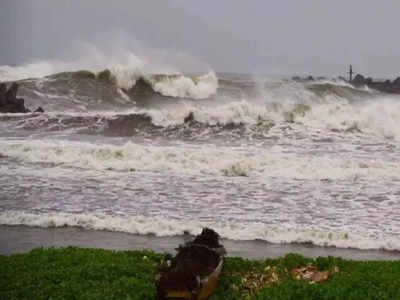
(162, 155)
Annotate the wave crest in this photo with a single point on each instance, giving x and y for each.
(170, 85)
(222, 161)
(170, 227)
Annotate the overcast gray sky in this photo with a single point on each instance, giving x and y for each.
(273, 37)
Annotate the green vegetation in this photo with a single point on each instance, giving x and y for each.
(74, 273)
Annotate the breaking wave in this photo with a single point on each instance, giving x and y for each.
(127, 80)
(374, 117)
(136, 100)
(170, 227)
(207, 160)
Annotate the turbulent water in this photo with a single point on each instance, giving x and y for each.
(165, 154)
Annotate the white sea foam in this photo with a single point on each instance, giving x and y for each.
(379, 117)
(161, 226)
(172, 85)
(237, 112)
(219, 161)
(199, 87)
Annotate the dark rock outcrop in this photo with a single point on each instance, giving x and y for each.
(358, 81)
(310, 78)
(396, 83)
(194, 271)
(9, 103)
(386, 86)
(368, 80)
(3, 91)
(189, 118)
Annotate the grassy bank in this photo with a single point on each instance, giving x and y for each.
(75, 273)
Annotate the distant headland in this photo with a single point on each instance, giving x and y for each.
(385, 86)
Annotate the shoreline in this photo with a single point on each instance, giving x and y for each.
(22, 239)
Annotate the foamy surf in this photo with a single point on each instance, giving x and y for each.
(281, 161)
(160, 226)
(378, 117)
(208, 160)
(196, 87)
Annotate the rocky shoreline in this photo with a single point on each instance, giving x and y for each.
(385, 86)
(9, 103)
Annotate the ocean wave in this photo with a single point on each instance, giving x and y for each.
(374, 117)
(169, 85)
(161, 226)
(339, 88)
(378, 117)
(248, 161)
(326, 105)
(129, 79)
(235, 112)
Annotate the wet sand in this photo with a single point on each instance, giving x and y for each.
(20, 239)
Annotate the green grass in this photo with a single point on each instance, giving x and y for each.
(75, 273)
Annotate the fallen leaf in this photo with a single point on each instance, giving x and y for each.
(320, 276)
(311, 274)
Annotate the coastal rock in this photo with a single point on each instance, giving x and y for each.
(368, 81)
(9, 103)
(189, 118)
(359, 80)
(193, 272)
(3, 91)
(11, 94)
(396, 83)
(310, 78)
(386, 86)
